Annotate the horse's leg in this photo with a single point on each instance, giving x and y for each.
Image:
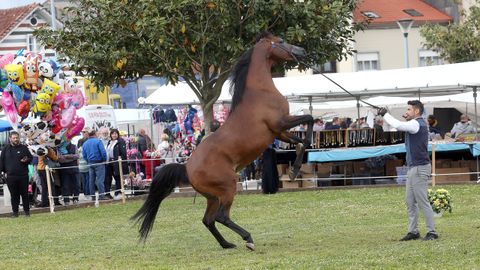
(211, 212)
(223, 216)
(288, 137)
(292, 121)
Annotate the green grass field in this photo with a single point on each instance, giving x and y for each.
(324, 229)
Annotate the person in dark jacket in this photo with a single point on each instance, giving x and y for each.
(116, 147)
(68, 159)
(14, 162)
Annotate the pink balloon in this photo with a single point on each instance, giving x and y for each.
(9, 106)
(67, 116)
(77, 99)
(77, 125)
(6, 59)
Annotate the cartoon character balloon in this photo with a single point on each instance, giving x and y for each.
(50, 88)
(30, 69)
(48, 68)
(42, 104)
(15, 73)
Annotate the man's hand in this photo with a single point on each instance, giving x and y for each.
(24, 159)
(382, 111)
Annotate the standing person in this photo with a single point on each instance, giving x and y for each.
(68, 159)
(419, 168)
(95, 155)
(42, 162)
(270, 181)
(116, 148)
(14, 161)
(143, 144)
(84, 137)
(83, 171)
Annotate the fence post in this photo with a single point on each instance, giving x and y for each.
(434, 170)
(49, 187)
(120, 169)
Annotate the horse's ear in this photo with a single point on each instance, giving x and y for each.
(262, 34)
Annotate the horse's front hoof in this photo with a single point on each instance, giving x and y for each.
(250, 246)
(228, 245)
(292, 174)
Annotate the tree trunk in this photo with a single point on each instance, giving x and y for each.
(207, 108)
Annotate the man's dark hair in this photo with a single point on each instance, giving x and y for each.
(431, 116)
(214, 125)
(14, 133)
(417, 104)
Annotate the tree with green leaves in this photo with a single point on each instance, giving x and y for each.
(112, 41)
(455, 42)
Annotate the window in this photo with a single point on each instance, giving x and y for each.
(329, 67)
(32, 44)
(367, 61)
(429, 58)
(370, 14)
(413, 12)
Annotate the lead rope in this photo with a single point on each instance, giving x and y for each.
(320, 72)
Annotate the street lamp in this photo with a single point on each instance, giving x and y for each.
(405, 25)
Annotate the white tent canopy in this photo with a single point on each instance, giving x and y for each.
(412, 82)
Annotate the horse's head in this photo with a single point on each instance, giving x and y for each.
(279, 50)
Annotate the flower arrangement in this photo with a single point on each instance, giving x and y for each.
(440, 200)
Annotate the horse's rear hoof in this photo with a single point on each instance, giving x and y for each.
(251, 246)
(228, 245)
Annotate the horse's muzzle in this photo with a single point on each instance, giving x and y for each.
(298, 52)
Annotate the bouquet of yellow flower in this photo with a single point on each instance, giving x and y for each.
(440, 200)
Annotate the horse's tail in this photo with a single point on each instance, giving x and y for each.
(162, 185)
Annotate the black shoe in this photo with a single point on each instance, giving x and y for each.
(411, 236)
(58, 203)
(14, 215)
(431, 236)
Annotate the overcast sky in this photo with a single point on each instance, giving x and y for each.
(16, 3)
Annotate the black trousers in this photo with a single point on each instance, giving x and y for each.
(69, 186)
(18, 186)
(110, 173)
(270, 181)
(56, 190)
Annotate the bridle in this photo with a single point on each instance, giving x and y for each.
(290, 52)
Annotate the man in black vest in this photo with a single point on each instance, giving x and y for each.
(14, 162)
(419, 168)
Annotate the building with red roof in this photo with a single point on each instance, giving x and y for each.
(17, 26)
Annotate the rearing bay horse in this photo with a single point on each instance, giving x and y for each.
(259, 114)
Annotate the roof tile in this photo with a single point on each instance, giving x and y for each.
(10, 18)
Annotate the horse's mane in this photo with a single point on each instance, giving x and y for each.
(239, 74)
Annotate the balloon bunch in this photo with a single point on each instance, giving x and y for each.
(31, 90)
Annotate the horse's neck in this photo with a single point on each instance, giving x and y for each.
(259, 73)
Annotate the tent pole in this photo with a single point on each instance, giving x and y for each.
(476, 120)
(358, 107)
(476, 115)
(310, 108)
